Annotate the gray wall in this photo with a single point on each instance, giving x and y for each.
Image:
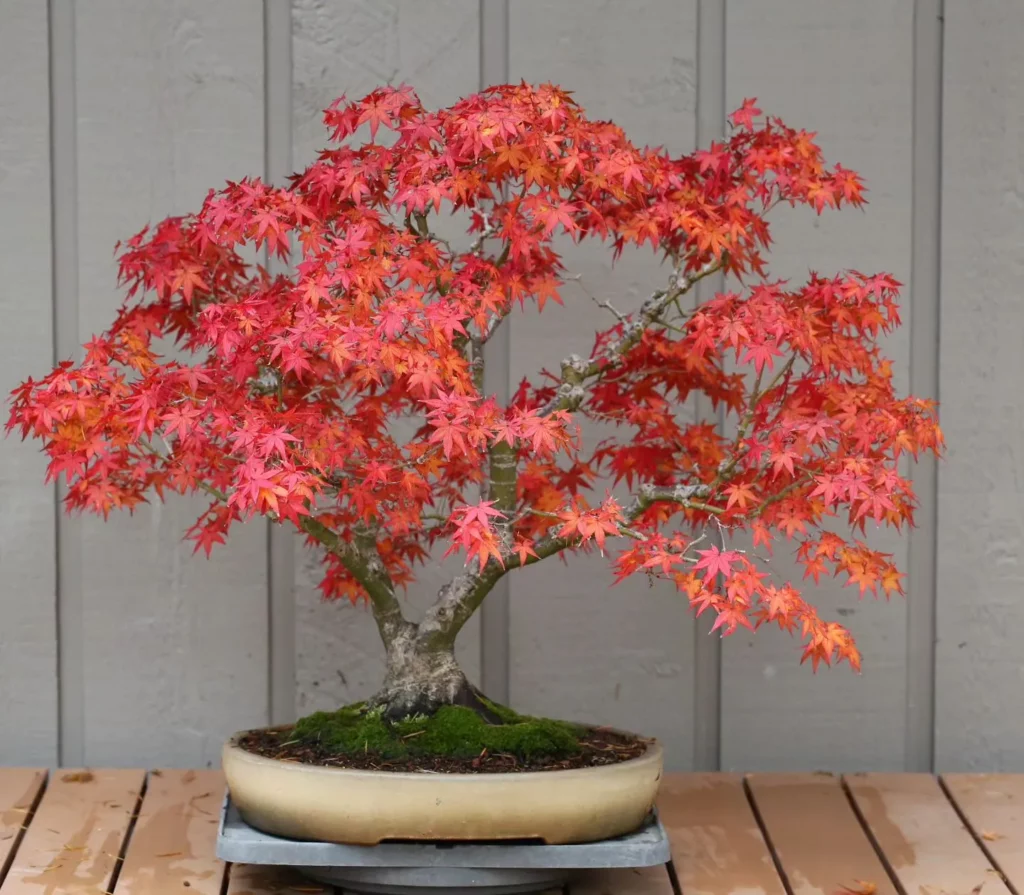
(117, 647)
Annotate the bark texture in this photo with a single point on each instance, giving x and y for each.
(423, 677)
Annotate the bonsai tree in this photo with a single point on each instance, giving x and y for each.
(346, 397)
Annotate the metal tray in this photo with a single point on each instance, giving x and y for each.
(237, 842)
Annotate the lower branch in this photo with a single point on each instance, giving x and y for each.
(462, 596)
(363, 563)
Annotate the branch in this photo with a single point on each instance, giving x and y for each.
(462, 596)
(576, 372)
(362, 560)
(683, 495)
(725, 470)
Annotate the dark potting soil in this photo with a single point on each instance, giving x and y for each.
(597, 746)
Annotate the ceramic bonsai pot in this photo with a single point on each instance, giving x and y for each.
(359, 807)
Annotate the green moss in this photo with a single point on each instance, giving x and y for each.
(453, 731)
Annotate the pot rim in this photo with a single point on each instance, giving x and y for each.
(653, 754)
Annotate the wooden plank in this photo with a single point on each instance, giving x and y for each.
(979, 700)
(717, 844)
(776, 714)
(74, 840)
(921, 836)
(580, 647)
(253, 879)
(816, 836)
(19, 789)
(173, 843)
(353, 47)
(28, 587)
(993, 805)
(170, 103)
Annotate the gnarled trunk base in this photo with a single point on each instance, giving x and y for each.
(419, 681)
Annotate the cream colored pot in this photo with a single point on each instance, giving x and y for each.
(302, 801)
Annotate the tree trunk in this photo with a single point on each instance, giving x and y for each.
(421, 679)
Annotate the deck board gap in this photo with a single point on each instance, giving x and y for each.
(225, 879)
(673, 877)
(976, 835)
(115, 873)
(20, 835)
(749, 793)
(875, 844)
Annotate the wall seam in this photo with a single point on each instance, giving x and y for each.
(925, 301)
(711, 125)
(64, 260)
(277, 130)
(495, 646)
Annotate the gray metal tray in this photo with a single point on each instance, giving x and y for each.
(237, 842)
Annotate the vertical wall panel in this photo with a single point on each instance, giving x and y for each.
(580, 647)
(844, 71)
(925, 295)
(352, 47)
(170, 103)
(495, 638)
(173, 650)
(980, 676)
(711, 127)
(28, 685)
(281, 543)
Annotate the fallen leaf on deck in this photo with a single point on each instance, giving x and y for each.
(863, 888)
(79, 777)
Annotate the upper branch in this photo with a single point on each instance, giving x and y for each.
(683, 495)
(460, 598)
(576, 372)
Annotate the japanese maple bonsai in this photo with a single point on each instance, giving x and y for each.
(346, 397)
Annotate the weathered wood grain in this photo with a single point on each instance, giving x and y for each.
(172, 846)
(74, 841)
(816, 836)
(993, 806)
(921, 836)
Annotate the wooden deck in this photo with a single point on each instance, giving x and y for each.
(136, 833)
